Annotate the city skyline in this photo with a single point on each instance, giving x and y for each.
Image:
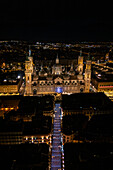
(56, 85)
(56, 113)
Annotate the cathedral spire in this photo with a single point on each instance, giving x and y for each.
(29, 51)
(80, 53)
(71, 67)
(57, 59)
(41, 66)
(89, 56)
(26, 55)
(66, 70)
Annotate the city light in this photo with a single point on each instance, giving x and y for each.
(59, 104)
(18, 77)
(59, 90)
(99, 74)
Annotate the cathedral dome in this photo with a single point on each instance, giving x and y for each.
(42, 72)
(66, 76)
(57, 60)
(71, 72)
(79, 76)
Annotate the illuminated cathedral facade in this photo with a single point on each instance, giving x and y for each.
(57, 79)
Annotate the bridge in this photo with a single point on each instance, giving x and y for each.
(57, 157)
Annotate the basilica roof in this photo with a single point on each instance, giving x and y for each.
(66, 76)
(73, 77)
(58, 76)
(63, 77)
(49, 77)
(42, 78)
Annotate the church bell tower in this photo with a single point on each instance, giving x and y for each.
(80, 62)
(28, 74)
(87, 75)
(30, 58)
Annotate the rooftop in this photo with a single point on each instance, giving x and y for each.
(10, 126)
(74, 123)
(28, 104)
(80, 101)
(88, 156)
(38, 126)
(102, 74)
(11, 78)
(24, 156)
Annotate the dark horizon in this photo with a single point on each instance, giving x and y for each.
(56, 21)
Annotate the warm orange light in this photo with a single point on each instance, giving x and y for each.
(6, 109)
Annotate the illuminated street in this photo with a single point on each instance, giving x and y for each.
(57, 147)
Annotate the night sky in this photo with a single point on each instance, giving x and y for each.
(56, 20)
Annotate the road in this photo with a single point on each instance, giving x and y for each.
(57, 159)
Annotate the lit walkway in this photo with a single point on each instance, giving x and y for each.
(57, 160)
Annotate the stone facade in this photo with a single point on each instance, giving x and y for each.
(56, 79)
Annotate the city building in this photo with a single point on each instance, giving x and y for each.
(55, 79)
(10, 87)
(24, 156)
(10, 83)
(88, 104)
(38, 130)
(102, 79)
(10, 132)
(88, 156)
(25, 107)
(26, 119)
(86, 116)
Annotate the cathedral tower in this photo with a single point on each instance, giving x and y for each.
(80, 62)
(87, 75)
(30, 58)
(57, 68)
(57, 59)
(28, 74)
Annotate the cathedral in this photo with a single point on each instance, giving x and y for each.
(57, 79)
